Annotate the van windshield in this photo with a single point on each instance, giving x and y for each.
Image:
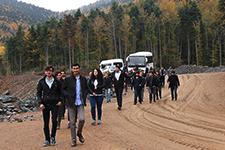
(103, 66)
(139, 61)
(117, 63)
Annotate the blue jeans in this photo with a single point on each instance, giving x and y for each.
(108, 94)
(96, 100)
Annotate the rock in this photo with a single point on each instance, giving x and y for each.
(6, 92)
(8, 99)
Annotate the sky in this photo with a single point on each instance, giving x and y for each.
(59, 5)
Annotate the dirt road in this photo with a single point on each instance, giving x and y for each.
(196, 121)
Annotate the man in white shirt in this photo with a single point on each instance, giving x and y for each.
(49, 97)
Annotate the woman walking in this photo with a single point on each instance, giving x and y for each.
(95, 86)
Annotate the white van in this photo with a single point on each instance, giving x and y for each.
(143, 60)
(109, 65)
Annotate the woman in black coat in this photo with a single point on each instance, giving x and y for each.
(95, 86)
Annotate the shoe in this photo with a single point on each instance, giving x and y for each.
(93, 122)
(58, 127)
(81, 138)
(99, 122)
(68, 125)
(53, 141)
(119, 108)
(73, 143)
(46, 143)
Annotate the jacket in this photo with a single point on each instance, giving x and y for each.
(46, 95)
(69, 90)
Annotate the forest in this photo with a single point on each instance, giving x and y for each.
(177, 32)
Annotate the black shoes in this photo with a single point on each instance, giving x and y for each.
(46, 143)
(81, 138)
(74, 143)
(119, 108)
(52, 141)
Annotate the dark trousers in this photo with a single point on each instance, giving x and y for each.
(173, 91)
(46, 116)
(152, 93)
(138, 95)
(96, 100)
(119, 95)
(61, 111)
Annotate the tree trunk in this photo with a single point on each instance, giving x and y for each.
(159, 46)
(46, 55)
(69, 53)
(189, 51)
(220, 48)
(87, 49)
(20, 63)
(196, 51)
(120, 49)
(114, 37)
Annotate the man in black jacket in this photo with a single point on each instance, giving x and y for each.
(118, 78)
(173, 84)
(49, 97)
(75, 91)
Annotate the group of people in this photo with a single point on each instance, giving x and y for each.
(55, 91)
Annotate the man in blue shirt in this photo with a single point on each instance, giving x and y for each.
(75, 90)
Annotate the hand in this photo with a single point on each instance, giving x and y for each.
(59, 103)
(42, 107)
(94, 94)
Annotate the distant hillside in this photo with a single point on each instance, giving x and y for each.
(14, 13)
(100, 4)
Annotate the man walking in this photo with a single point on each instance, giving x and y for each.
(173, 84)
(75, 91)
(118, 78)
(49, 97)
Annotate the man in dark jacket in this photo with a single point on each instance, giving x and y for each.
(75, 91)
(173, 84)
(118, 78)
(49, 97)
(138, 83)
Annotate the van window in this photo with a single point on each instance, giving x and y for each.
(117, 63)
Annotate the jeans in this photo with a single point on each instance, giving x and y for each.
(108, 94)
(173, 91)
(96, 100)
(76, 112)
(46, 116)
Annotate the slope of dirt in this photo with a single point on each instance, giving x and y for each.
(196, 121)
(21, 86)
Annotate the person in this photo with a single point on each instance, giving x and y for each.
(95, 86)
(173, 84)
(75, 91)
(118, 78)
(108, 87)
(152, 83)
(49, 97)
(63, 74)
(58, 76)
(138, 84)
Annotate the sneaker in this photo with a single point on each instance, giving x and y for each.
(58, 127)
(99, 122)
(68, 125)
(93, 122)
(46, 143)
(81, 138)
(73, 143)
(53, 141)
